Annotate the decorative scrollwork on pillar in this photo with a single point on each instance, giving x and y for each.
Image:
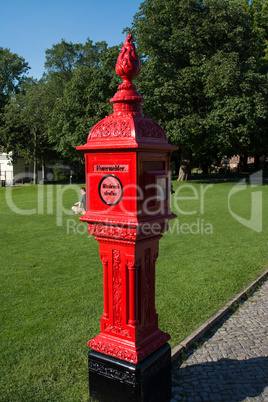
(117, 289)
(104, 261)
(132, 291)
(155, 256)
(147, 284)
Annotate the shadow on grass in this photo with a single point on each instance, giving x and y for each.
(224, 380)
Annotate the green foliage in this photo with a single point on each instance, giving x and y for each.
(257, 11)
(204, 75)
(59, 175)
(51, 117)
(85, 101)
(79, 82)
(13, 69)
(62, 58)
(25, 119)
(12, 72)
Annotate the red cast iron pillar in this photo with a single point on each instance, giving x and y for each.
(128, 207)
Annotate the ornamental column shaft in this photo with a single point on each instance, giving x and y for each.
(127, 158)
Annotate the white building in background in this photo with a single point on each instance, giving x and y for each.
(22, 172)
(12, 173)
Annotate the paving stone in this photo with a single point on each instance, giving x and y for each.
(232, 365)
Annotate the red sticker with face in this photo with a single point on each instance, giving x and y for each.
(110, 189)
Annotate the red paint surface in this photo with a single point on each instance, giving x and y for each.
(128, 152)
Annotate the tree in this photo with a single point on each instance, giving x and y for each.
(85, 101)
(24, 130)
(62, 58)
(241, 115)
(241, 119)
(65, 57)
(197, 59)
(257, 12)
(13, 71)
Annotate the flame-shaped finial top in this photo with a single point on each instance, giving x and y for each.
(128, 67)
(128, 62)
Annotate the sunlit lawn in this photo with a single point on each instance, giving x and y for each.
(51, 279)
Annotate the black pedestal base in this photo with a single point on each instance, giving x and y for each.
(115, 380)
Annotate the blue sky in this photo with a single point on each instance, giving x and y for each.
(30, 27)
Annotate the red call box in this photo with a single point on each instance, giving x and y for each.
(108, 180)
(129, 184)
(128, 207)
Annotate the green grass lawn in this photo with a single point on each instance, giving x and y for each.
(51, 279)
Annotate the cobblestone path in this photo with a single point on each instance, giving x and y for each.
(231, 365)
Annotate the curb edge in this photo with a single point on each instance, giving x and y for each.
(183, 346)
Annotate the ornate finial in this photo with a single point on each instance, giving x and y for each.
(128, 64)
(128, 67)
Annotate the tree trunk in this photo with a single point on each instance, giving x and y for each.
(34, 161)
(175, 162)
(205, 168)
(185, 166)
(265, 162)
(43, 170)
(243, 164)
(256, 162)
